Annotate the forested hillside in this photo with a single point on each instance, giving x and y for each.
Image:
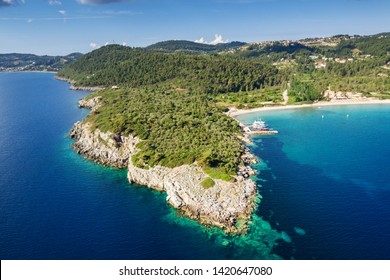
(341, 63)
(31, 62)
(174, 100)
(339, 46)
(188, 46)
(134, 67)
(166, 100)
(177, 128)
(376, 45)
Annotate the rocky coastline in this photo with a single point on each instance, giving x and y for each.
(73, 87)
(228, 205)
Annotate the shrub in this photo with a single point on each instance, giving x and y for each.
(207, 183)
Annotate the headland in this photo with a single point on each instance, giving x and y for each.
(225, 204)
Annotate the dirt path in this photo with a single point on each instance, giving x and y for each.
(285, 97)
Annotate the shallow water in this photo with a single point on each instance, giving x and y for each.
(325, 180)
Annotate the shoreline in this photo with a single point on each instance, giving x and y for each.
(342, 102)
(30, 71)
(73, 87)
(227, 205)
(215, 206)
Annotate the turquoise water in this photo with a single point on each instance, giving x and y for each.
(56, 205)
(325, 180)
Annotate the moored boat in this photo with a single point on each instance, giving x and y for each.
(260, 127)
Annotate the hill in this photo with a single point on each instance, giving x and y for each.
(31, 62)
(338, 46)
(375, 45)
(171, 103)
(134, 67)
(147, 77)
(164, 99)
(189, 46)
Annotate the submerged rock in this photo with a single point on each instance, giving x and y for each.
(299, 231)
(285, 237)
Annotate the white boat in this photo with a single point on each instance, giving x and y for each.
(260, 127)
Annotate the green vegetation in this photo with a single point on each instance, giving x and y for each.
(376, 45)
(134, 67)
(192, 47)
(207, 183)
(275, 51)
(172, 95)
(166, 99)
(304, 91)
(177, 128)
(368, 76)
(250, 99)
(218, 172)
(339, 46)
(30, 62)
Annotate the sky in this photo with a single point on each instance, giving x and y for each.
(60, 27)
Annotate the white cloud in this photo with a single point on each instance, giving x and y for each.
(51, 18)
(201, 41)
(218, 40)
(84, 2)
(7, 3)
(120, 13)
(93, 45)
(62, 12)
(55, 3)
(30, 20)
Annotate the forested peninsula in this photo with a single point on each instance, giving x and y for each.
(161, 111)
(156, 118)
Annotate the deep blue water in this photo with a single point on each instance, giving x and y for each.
(324, 186)
(328, 172)
(56, 205)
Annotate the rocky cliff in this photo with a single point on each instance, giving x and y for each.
(226, 204)
(104, 148)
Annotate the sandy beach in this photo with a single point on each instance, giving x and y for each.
(341, 102)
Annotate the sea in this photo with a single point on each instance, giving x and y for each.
(324, 190)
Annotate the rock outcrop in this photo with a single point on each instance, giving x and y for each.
(223, 205)
(92, 103)
(104, 148)
(226, 204)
